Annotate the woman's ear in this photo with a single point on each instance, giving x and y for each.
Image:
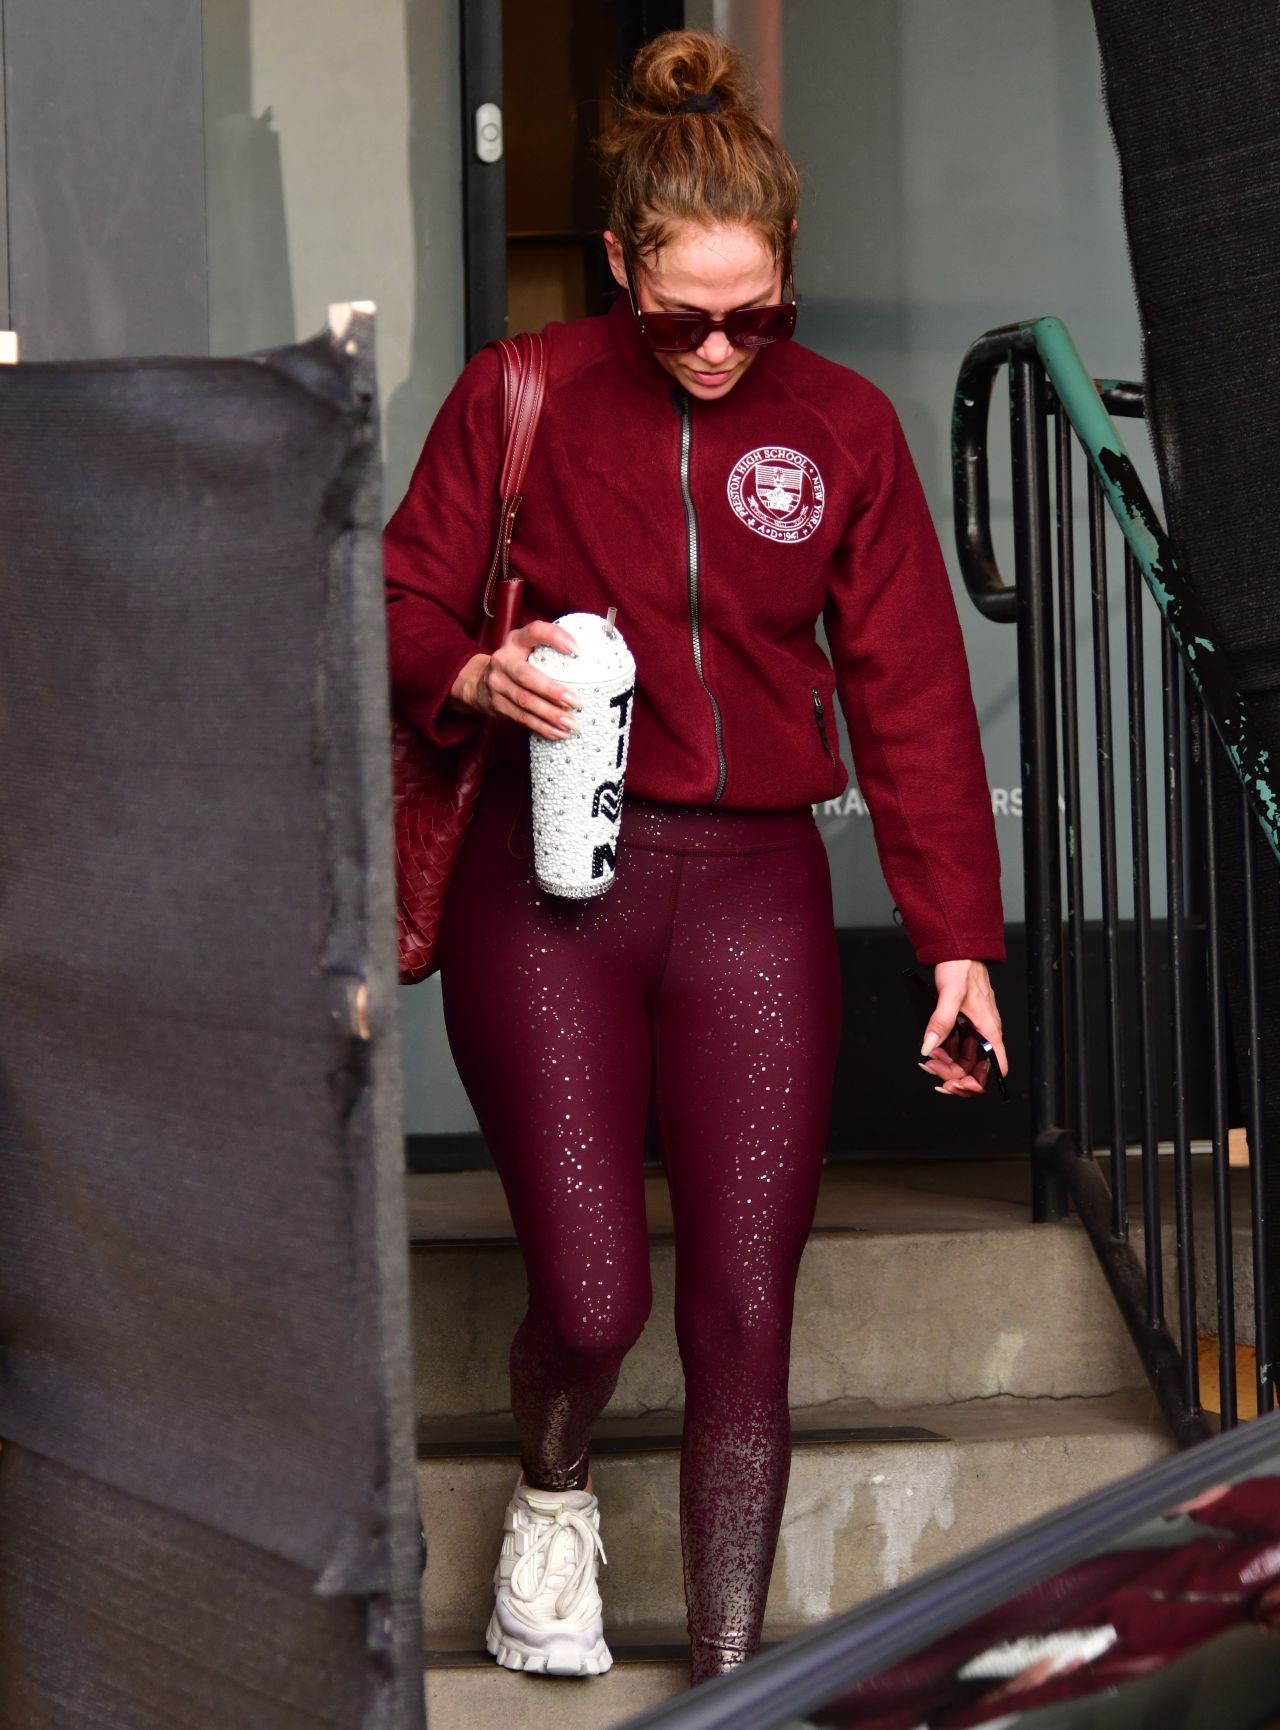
(617, 260)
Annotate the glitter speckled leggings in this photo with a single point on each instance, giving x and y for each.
(705, 983)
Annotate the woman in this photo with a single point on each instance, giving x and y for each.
(724, 488)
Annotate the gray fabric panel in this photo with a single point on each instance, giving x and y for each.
(203, 1270)
(360, 705)
(117, 1614)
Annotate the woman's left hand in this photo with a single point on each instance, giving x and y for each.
(961, 985)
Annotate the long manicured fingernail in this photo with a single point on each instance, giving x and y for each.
(930, 1040)
(570, 701)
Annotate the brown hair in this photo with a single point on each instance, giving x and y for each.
(708, 160)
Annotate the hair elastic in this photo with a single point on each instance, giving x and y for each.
(701, 102)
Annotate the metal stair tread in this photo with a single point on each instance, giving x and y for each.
(660, 1645)
(657, 1642)
(624, 1654)
(836, 1424)
(901, 1197)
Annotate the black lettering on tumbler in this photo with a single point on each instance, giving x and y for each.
(606, 855)
(622, 704)
(607, 798)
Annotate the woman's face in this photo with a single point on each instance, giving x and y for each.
(712, 270)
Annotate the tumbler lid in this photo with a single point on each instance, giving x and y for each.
(603, 657)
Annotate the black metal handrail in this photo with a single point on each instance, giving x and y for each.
(1042, 348)
(1207, 745)
(988, 590)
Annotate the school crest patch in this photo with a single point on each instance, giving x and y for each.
(777, 492)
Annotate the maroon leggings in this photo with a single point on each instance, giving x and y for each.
(703, 985)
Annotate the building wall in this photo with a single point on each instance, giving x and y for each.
(959, 174)
(334, 173)
(4, 193)
(334, 164)
(103, 249)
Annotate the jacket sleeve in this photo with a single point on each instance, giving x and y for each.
(1250, 1509)
(436, 552)
(904, 686)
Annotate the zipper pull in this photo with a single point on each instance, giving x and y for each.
(820, 721)
(820, 718)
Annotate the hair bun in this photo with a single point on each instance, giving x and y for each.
(691, 72)
(687, 144)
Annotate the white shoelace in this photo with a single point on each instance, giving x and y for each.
(556, 1532)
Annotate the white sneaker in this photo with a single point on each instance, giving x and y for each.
(548, 1616)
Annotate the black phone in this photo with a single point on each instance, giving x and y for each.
(964, 1044)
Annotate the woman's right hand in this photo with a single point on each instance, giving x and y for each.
(505, 685)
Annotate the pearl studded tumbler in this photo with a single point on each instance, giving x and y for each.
(577, 780)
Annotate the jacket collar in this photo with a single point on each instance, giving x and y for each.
(634, 353)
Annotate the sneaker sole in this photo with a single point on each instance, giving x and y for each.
(559, 1659)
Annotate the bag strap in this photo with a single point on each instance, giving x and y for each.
(524, 386)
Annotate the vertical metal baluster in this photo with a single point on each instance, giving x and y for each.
(1107, 837)
(1257, 1143)
(1175, 852)
(1077, 1003)
(1042, 870)
(1224, 1266)
(1133, 596)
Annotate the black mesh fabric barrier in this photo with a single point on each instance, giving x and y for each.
(204, 1379)
(1193, 92)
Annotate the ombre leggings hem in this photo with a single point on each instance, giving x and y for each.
(556, 1479)
(710, 1659)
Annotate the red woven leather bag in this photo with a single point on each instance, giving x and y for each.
(434, 792)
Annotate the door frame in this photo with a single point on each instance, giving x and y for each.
(484, 184)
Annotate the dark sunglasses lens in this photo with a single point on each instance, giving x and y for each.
(753, 327)
(673, 332)
(758, 326)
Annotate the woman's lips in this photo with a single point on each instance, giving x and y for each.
(713, 378)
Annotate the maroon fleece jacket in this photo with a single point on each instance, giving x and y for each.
(802, 503)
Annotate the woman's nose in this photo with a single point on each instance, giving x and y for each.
(716, 350)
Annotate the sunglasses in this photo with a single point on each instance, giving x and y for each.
(750, 327)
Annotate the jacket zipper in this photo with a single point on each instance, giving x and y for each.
(685, 408)
(820, 716)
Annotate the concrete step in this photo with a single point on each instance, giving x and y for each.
(920, 1285)
(862, 1515)
(467, 1691)
(468, 1694)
